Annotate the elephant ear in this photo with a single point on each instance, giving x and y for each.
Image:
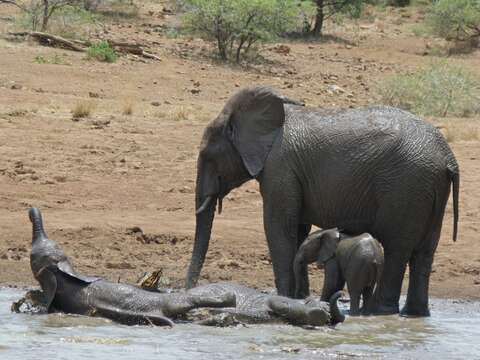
(328, 248)
(256, 119)
(48, 283)
(65, 268)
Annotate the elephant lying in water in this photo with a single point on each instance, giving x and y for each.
(254, 306)
(67, 291)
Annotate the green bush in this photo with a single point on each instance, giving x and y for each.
(102, 51)
(455, 19)
(438, 90)
(238, 25)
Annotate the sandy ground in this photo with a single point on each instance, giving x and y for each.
(97, 178)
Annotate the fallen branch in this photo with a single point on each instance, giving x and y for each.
(50, 40)
(80, 46)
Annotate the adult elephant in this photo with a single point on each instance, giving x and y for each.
(379, 170)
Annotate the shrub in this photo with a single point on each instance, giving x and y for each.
(238, 25)
(102, 51)
(455, 19)
(438, 90)
(82, 109)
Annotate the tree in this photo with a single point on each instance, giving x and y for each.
(238, 25)
(456, 20)
(43, 9)
(327, 8)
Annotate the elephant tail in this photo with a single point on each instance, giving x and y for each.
(456, 190)
(335, 313)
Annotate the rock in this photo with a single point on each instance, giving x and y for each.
(16, 87)
(195, 91)
(122, 266)
(155, 103)
(335, 89)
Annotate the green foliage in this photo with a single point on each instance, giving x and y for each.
(238, 25)
(64, 18)
(102, 51)
(455, 19)
(56, 59)
(438, 90)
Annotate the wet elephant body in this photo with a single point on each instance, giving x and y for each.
(379, 170)
(254, 306)
(67, 291)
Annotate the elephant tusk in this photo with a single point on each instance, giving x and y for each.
(205, 204)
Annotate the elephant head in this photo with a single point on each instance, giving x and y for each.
(233, 150)
(320, 247)
(48, 261)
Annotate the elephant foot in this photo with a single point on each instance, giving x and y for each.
(317, 317)
(415, 311)
(385, 310)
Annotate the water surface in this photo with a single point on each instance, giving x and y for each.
(452, 332)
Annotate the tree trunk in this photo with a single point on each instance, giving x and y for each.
(46, 15)
(317, 29)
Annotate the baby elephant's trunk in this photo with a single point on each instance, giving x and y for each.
(335, 313)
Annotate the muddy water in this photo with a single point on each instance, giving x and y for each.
(453, 332)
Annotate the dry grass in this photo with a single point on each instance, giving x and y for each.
(128, 109)
(182, 113)
(458, 130)
(83, 109)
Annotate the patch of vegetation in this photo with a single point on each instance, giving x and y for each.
(237, 26)
(438, 90)
(62, 17)
(82, 110)
(128, 109)
(115, 9)
(102, 51)
(56, 60)
(455, 20)
(461, 131)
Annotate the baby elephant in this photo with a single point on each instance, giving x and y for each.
(356, 260)
(68, 291)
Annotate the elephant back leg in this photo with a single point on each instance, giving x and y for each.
(420, 262)
(400, 226)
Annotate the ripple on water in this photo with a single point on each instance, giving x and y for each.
(452, 332)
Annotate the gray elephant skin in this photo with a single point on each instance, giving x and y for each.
(379, 170)
(356, 260)
(67, 291)
(254, 306)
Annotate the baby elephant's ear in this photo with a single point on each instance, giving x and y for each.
(328, 248)
(48, 283)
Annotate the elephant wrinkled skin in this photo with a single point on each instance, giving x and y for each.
(254, 306)
(379, 170)
(67, 291)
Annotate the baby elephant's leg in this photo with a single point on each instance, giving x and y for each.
(296, 312)
(367, 300)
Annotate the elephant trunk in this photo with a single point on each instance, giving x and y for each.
(203, 231)
(38, 232)
(335, 313)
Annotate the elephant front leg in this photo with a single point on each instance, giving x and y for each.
(333, 281)
(303, 287)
